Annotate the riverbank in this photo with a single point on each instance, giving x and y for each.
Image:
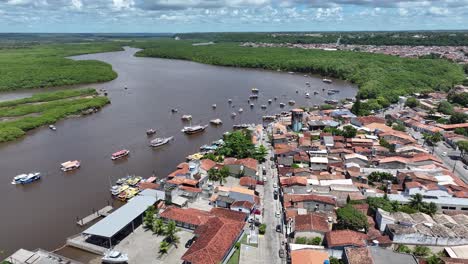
(381, 78)
(19, 116)
(46, 65)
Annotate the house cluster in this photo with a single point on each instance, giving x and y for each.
(321, 168)
(454, 53)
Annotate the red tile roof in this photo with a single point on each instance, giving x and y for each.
(363, 208)
(229, 214)
(182, 169)
(190, 189)
(190, 215)
(411, 185)
(148, 185)
(247, 181)
(230, 161)
(311, 222)
(294, 180)
(288, 198)
(371, 119)
(243, 204)
(249, 163)
(183, 180)
(215, 239)
(207, 164)
(308, 256)
(339, 238)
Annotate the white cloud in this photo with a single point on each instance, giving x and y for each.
(77, 4)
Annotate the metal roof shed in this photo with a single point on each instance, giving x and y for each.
(116, 221)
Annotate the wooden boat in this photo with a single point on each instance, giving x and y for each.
(327, 81)
(70, 165)
(120, 154)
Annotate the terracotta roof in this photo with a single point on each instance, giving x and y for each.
(358, 255)
(229, 214)
(424, 156)
(339, 238)
(371, 119)
(411, 185)
(453, 126)
(288, 198)
(183, 180)
(243, 190)
(294, 180)
(189, 215)
(247, 181)
(182, 169)
(190, 189)
(308, 256)
(249, 163)
(207, 164)
(243, 204)
(148, 185)
(363, 208)
(311, 222)
(393, 159)
(215, 239)
(230, 161)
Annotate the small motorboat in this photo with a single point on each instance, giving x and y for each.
(327, 81)
(281, 105)
(150, 132)
(276, 98)
(193, 129)
(216, 121)
(252, 105)
(330, 92)
(241, 110)
(315, 92)
(255, 90)
(70, 165)
(334, 90)
(26, 178)
(291, 72)
(120, 154)
(213, 106)
(269, 101)
(297, 91)
(229, 100)
(174, 110)
(253, 96)
(52, 127)
(263, 106)
(160, 141)
(114, 256)
(307, 83)
(233, 114)
(333, 102)
(186, 117)
(267, 118)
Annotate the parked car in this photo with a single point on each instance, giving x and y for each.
(444, 153)
(281, 253)
(190, 242)
(275, 185)
(275, 196)
(264, 179)
(277, 214)
(278, 228)
(466, 167)
(264, 170)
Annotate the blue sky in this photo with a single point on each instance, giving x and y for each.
(230, 15)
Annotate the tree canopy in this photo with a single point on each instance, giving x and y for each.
(349, 217)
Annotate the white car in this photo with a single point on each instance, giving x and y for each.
(275, 185)
(264, 179)
(444, 154)
(277, 214)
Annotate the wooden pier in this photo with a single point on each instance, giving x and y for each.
(100, 213)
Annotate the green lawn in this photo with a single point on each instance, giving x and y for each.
(235, 257)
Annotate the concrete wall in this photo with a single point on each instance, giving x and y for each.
(310, 206)
(241, 197)
(383, 220)
(420, 239)
(240, 209)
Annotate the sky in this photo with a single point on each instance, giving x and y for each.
(174, 16)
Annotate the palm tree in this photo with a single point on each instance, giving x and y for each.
(222, 175)
(171, 230)
(163, 247)
(431, 208)
(213, 174)
(149, 216)
(158, 226)
(416, 201)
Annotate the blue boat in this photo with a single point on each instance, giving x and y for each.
(26, 178)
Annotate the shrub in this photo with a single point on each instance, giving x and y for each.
(411, 102)
(314, 241)
(421, 251)
(262, 229)
(350, 218)
(403, 249)
(301, 240)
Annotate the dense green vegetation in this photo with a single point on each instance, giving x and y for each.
(349, 217)
(381, 78)
(415, 205)
(446, 38)
(39, 66)
(238, 144)
(19, 116)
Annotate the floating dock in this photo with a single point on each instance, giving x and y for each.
(100, 213)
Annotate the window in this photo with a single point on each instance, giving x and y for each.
(452, 208)
(465, 208)
(445, 207)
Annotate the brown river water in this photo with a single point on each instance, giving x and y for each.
(43, 214)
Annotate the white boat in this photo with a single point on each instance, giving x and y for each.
(255, 90)
(150, 132)
(214, 106)
(229, 100)
(327, 81)
(233, 114)
(216, 121)
(70, 165)
(241, 110)
(281, 104)
(193, 129)
(307, 95)
(263, 106)
(114, 256)
(120, 154)
(253, 96)
(52, 127)
(269, 101)
(292, 102)
(160, 141)
(174, 110)
(186, 117)
(26, 178)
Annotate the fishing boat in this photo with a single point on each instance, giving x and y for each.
(174, 110)
(131, 192)
(281, 105)
(133, 180)
(255, 90)
(327, 81)
(331, 101)
(52, 127)
(160, 141)
(263, 106)
(334, 90)
(252, 105)
(186, 117)
(253, 96)
(150, 132)
(229, 100)
(117, 189)
(193, 129)
(120, 154)
(26, 178)
(330, 92)
(114, 256)
(240, 126)
(213, 106)
(216, 121)
(241, 110)
(268, 117)
(70, 165)
(307, 95)
(269, 101)
(315, 92)
(233, 114)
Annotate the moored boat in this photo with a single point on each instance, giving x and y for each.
(269, 101)
(331, 101)
(174, 110)
(281, 105)
(150, 132)
(186, 117)
(307, 95)
(263, 106)
(255, 90)
(213, 106)
(252, 105)
(327, 80)
(253, 96)
(233, 114)
(193, 129)
(26, 178)
(70, 165)
(292, 102)
(241, 110)
(229, 100)
(120, 154)
(216, 121)
(114, 256)
(160, 141)
(52, 127)
(269, 117)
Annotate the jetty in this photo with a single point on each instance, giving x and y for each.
(99, 213)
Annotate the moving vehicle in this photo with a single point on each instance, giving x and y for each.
(120, 154)
(26, 178)
(114, 256)
(160, 141)
(70, 165)
(277, 214)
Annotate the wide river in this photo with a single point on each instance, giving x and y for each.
(43, 214)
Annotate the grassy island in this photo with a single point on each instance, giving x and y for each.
(19, 116)
(45, 65)
(381, 78)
